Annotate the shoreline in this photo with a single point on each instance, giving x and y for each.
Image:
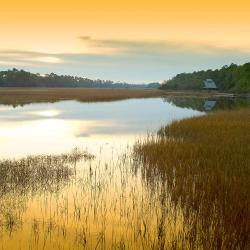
(23, 96)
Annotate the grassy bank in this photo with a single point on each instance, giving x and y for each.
(21, 96)
(205, 163)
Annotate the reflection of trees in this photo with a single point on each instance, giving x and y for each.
(208, 104)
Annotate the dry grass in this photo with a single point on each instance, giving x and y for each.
(21, 180)
(105, 205)
(21, 96)
(34, 173)
(205, 163)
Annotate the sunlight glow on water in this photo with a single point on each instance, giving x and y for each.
(47, 113)
(58, 127)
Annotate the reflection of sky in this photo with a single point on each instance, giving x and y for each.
(58, 127)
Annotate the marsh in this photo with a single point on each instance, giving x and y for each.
(100, 195)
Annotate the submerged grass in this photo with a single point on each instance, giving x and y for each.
(205, 163)
(22, 179)
(38, 171)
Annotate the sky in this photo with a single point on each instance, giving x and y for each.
(135, 41)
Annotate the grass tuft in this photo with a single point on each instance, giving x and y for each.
(205, 162)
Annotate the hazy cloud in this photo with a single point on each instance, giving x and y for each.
(124, 60)
(20, 57)
(156, 47)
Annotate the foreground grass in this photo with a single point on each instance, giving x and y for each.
(205, 163)
(49, 202)
(21, 96)
(41, 171)
(30, 176)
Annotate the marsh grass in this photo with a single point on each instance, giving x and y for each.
(105, 205)
(22, 96)
(205, 163)
(38, 171)
(24, 178)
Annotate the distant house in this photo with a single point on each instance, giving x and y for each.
(209, 84)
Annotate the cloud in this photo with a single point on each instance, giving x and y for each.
(156, 46)
(26, 58)
(47, 59)
(127, 60)
(11, 63)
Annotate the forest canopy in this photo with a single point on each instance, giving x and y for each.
(21, 78)
(235, 78)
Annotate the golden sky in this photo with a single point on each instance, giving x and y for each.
(55, 26)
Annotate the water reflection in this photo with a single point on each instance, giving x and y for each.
(47, 113)
(58, 127)
(208, 104)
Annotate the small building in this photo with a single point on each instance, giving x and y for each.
(209, 84)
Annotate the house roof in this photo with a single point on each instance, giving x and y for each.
(209, 84)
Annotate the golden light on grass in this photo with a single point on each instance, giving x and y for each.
(205, 163)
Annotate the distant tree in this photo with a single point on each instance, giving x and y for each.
(228, 78)
(21, 78)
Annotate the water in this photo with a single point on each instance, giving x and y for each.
(59, 127)
(104, 203)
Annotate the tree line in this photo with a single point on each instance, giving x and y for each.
(235, 78)
(21, 78)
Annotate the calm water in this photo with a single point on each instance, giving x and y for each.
(59, 127)
(105, 203)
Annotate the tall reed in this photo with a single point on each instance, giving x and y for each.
(205, 162)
